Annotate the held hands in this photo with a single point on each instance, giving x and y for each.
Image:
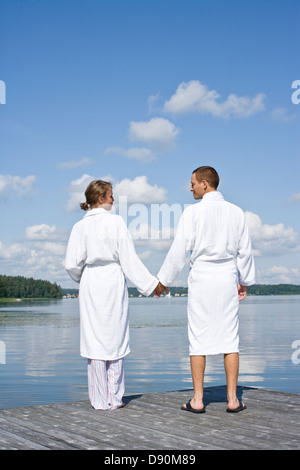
(242, 291)
(159, 290)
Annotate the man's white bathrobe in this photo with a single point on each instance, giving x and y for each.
(215, 234)
(100, 254)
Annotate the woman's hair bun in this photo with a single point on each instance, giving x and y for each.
(84, 206)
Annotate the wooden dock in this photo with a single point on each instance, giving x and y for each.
(155, 421)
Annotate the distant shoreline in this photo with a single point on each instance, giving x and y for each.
(11, 300)
(255, 290)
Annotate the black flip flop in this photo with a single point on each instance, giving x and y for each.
(191, 409)
(241, 407)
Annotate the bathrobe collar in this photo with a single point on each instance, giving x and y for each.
(213, 196)
(97, 211)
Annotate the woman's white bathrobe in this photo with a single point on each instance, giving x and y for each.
(215, 234)
(100, 254)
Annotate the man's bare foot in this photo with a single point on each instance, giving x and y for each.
(235, 406)
(194, 406)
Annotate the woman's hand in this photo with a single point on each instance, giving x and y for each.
(242, 290)
(159, 290)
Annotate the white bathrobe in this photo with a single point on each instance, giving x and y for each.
(100, 254)
(215, 234)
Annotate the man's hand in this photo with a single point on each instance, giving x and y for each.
(242, 290)
(159, 289)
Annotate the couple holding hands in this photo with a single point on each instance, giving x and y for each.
(101, 255)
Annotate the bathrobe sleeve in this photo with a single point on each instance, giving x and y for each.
(245, 260)
(131, 264)
(177, 256)
(76, 253)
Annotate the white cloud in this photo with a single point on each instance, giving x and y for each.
(47, 237)
(151, 102)
(139, 190)
(282, 115)
(48, 248)
(40, 232)
(40, 255)
(15, 250)
(271, 239)
(76, 163)
(154, 245)
(158, 132)
(295, 197)
(135, 153)
(278, 275)
(193, 96)
(17, 184)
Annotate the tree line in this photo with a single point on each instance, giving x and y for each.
(22, 287)
(256, 289)
(274, 289)
(28, 288)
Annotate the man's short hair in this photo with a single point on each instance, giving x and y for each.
(209, 174)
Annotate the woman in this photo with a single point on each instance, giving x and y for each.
(100, 254)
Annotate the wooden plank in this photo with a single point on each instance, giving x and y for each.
(155, 421)
(215, 423)
(9, 440)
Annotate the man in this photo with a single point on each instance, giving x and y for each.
(215, 234)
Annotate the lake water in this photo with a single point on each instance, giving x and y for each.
(40, 361)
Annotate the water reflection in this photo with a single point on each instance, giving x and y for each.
(42, 362)
(269, 325)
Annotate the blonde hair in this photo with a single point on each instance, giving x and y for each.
(95, 189)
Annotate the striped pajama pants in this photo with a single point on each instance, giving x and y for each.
(106, 383)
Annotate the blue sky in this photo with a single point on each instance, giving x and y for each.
(143, 92)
